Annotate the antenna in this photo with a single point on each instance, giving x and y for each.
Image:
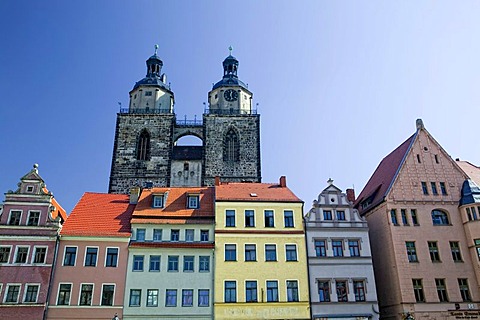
(156, 48)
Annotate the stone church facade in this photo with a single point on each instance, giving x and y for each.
(145, 153)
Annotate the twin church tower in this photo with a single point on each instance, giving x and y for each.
(145, 151)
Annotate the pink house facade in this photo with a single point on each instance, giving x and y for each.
(89, 279)
(30, 220)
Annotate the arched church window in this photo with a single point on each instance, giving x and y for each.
(231, 148)
(440, 217)
(143, 146)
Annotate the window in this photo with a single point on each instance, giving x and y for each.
(152, 297)
(340, 215)
(341, 287)
(143, 146)
(204, 235)
(230, 252)
(15, 217)
(172, 263)
(403, 212)
(22, 255)
(70, 256)
(108, 292)
(270, 252)
(4, 254)
(411, 251)
(203, 298)
(292, 290)
(31, 293)
(230, 291)
(269, 220)
(324, 291)
(249, 218)
(33, 218)
(424, 188)
(251, 291)
(154, 263)
(433, 250)
(464, 290)
(418, 290)
(436, 159)
(337, 246)
(474, 213)
(86, 295)
(40, 255)
(272, 291)
(434, 188)
(230, 218)
(91, 257)
(320, 248)
(288, 218)
(393, 216)
(455, 249)
(189, 235)
(354, 247)
(441, 290)
(157, 234)
(439, 218)
(477, 247)
(291, 252)
(204, 264)
(148, 93)
(187, 298)
(12, 293)
(359, 290)
(140, 235)
(112, 257)
(250, 252)
(64, 294)
(30, 189)
(174, 235)
(231, 147)
(443, 188)
(418, 158)
(327, 215)
(413, 214)
(138, 263)
(171, 298)
(188, 263)
(158, 201)
(135, 297)
(193, 202)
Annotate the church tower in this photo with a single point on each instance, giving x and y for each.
(231, 130)
(146, 153)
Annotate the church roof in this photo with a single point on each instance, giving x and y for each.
(255, 192)
(100, 215)
(470, 193)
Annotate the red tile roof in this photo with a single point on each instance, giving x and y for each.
(258, 192)
(471, 170)
(381, 180)
(100, 214)
(59, 211)
(175, 208)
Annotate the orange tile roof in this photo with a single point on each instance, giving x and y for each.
(59, 211)
(471, 170)
(175, 208)
(265, 192)
(100, 214)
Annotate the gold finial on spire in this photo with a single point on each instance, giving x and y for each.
(156, 48)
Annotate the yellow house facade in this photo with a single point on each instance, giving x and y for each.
(260, 254)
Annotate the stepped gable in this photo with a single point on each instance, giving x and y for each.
(101, 215)
(261, 192)
(384, 176)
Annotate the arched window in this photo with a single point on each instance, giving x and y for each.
(231, 148)
(143, 146)
(440, 217)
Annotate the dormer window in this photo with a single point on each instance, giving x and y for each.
(30, 189)
(193, 201)
(158, 200)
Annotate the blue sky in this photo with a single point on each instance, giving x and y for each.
(339, 83)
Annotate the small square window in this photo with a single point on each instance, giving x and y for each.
(15, 217)
(148, 93)
(270, 252)
(140, 235)
(327, 215)
(174, 235)
(33, 218)
(189, 235)
(172, 263)
(12, 292)
(157, 234)
(341, 215)
(138, 263)
(158, 201)
(31, 293)
(40, 255)
(4, 254)
(193, 202)
(30, 189)
(22, 255)
(204, 235)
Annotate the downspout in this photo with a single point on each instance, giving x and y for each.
(52, 272)
(308, 262)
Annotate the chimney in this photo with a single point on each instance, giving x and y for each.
(351, 195)
(283, 182)
(134, 195)
(217, 180)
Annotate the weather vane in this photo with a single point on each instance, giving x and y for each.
(230, 49)
(156, 48)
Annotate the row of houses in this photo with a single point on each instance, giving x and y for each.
(251, 250)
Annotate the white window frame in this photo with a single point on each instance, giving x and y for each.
(144, 235)
(161, 195)
(80, 294)
(296, 252)
(76, 255)
(28, 187)
(10, 216)
(236, 290)
(16, 254)
(28, 217)
(35, 251)
(195, 204)
(8, 285)
(85, 256)
(58, 293)
(25, 291)
(193, 233)
(298, 290)
(114, 291)
(9, 255)
(105, 261)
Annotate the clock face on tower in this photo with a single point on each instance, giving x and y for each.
(230, 95)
